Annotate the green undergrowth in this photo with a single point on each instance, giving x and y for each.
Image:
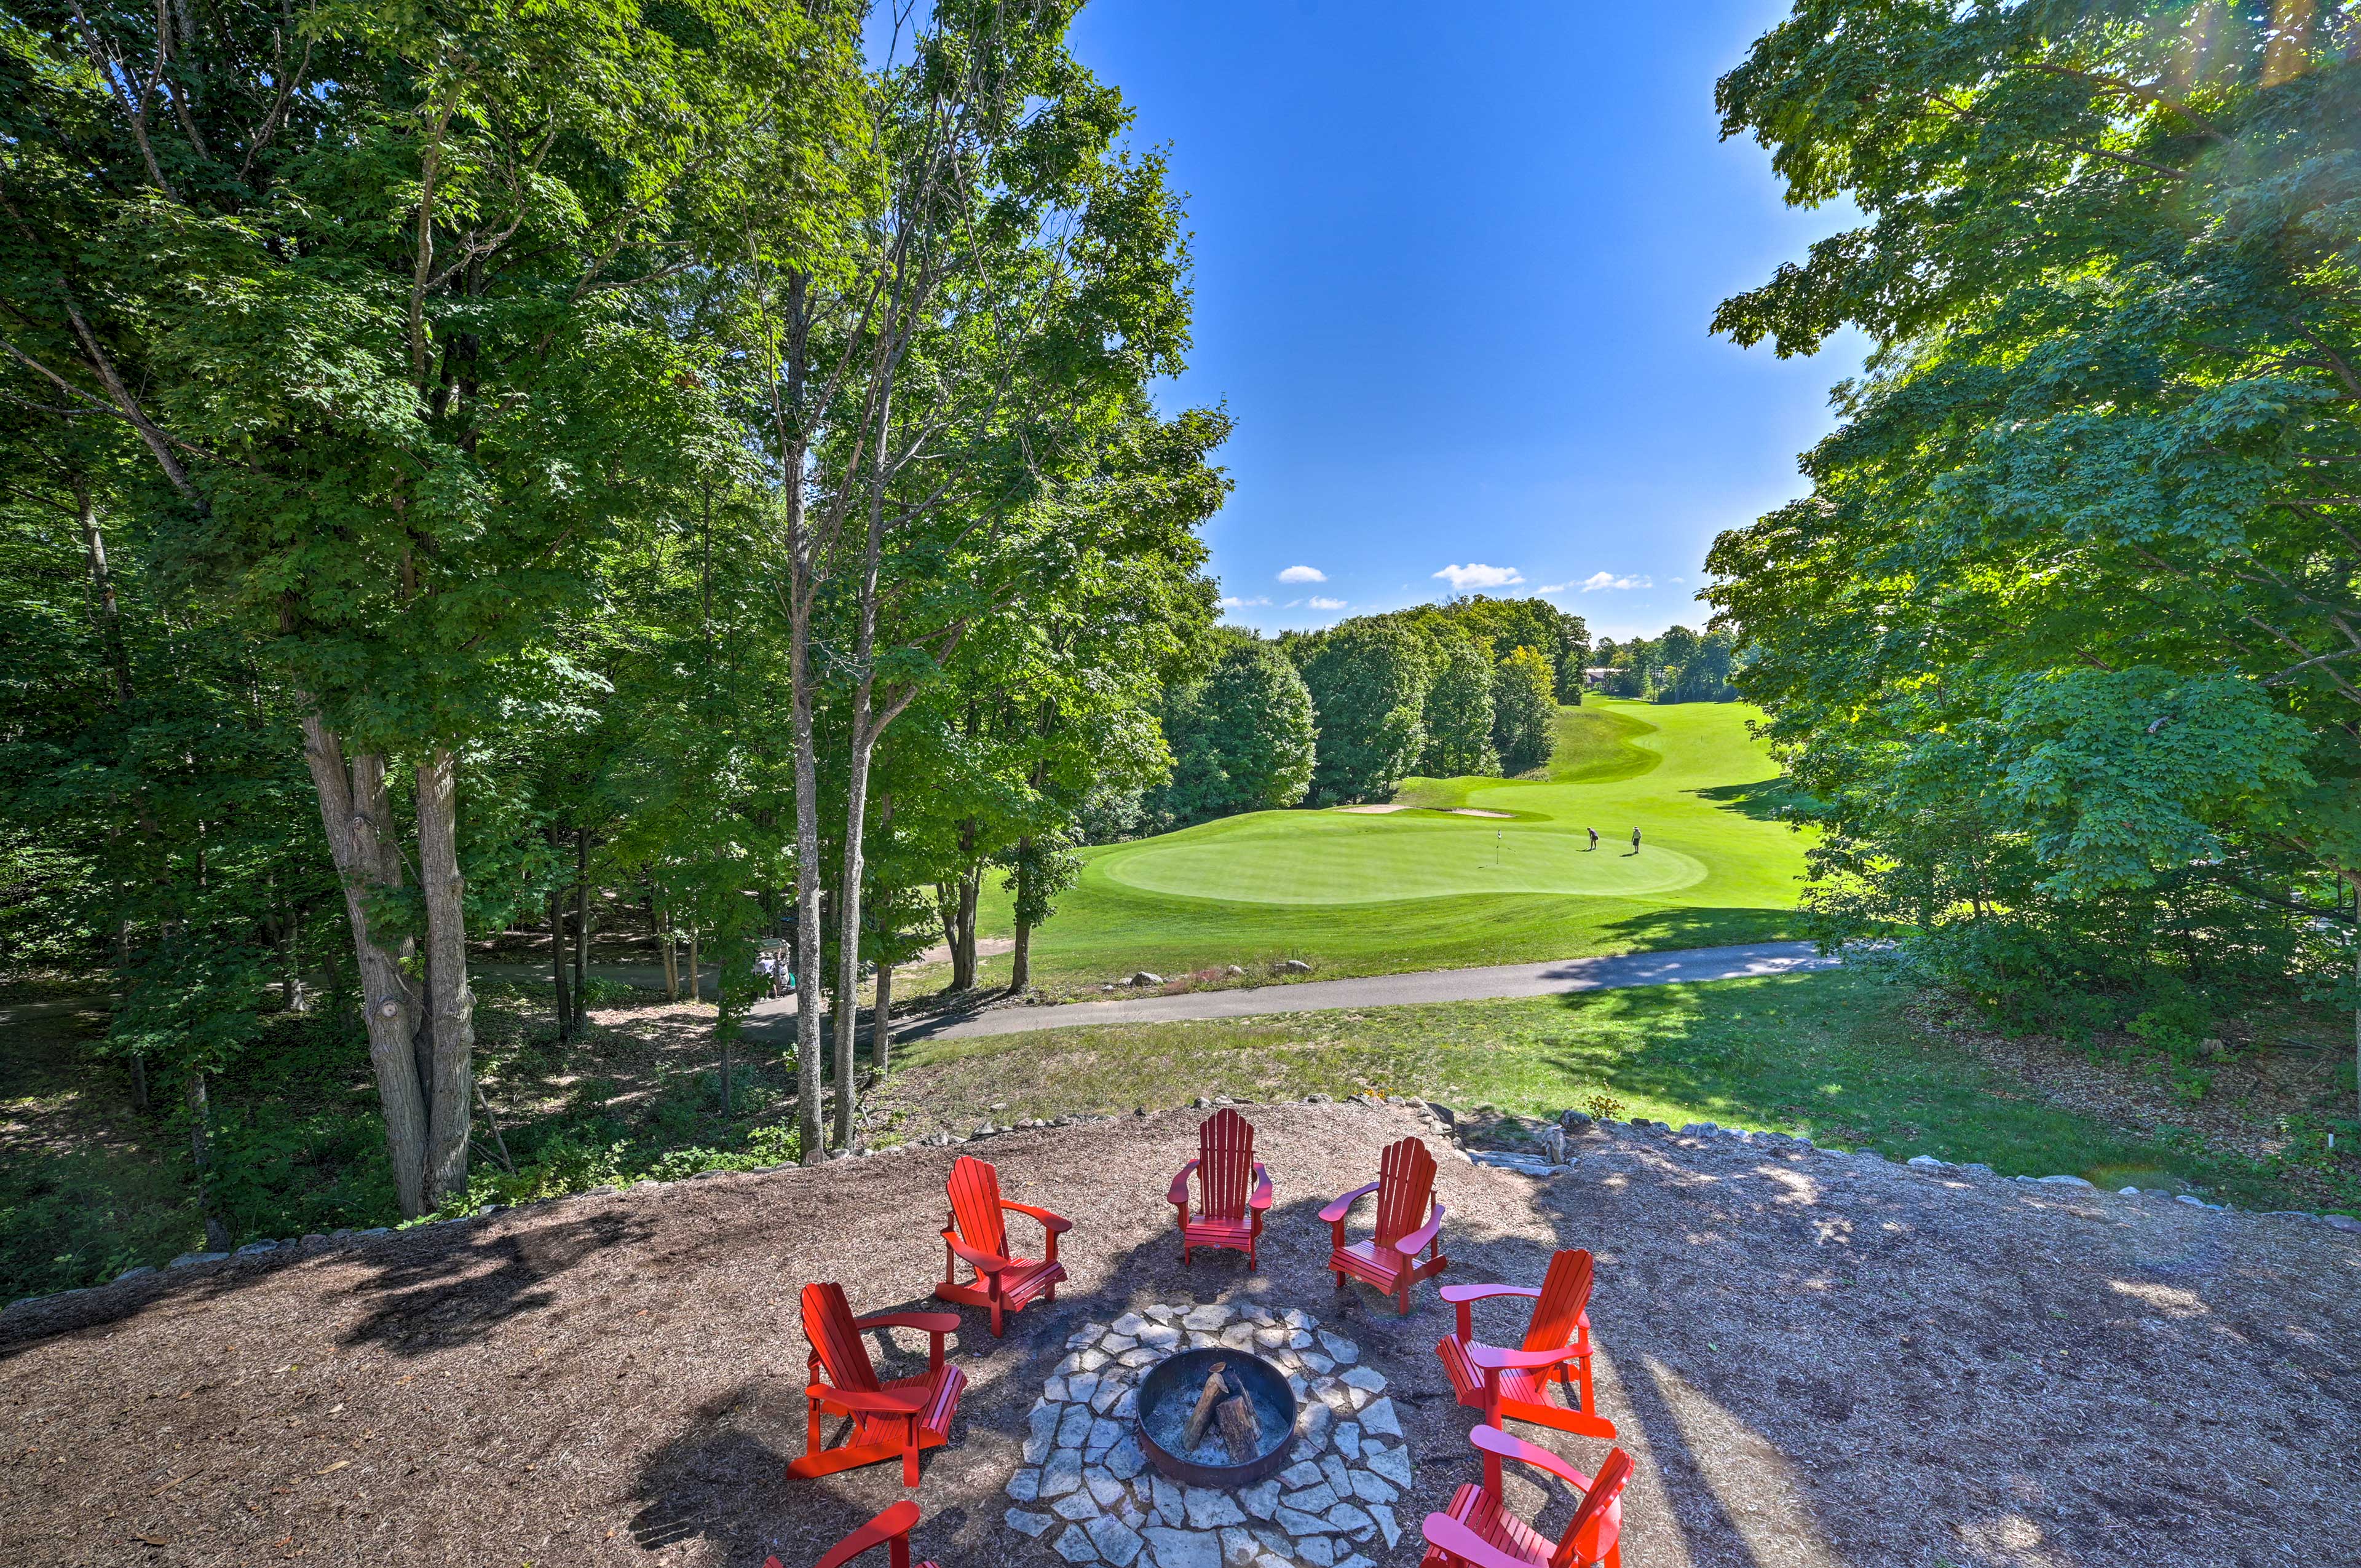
(1829, 1054)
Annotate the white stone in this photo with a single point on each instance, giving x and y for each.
(1393, 1463)
(1116, 1344)
(1260, 1498)
(1370, 1489)
(1273, 1337)
(1204, 1339)
(1092, 1359)
(1209, 1509)
(1104, 1489)
(1300, 1340)
(1317, 1361)
(1025, 1485)
(1033, 1525)
(1074, 1426)
(1344, 1516)
(1298, 1475)
(1358, 1396)
(1344, 1350)
(1297, 1522)
(1239, 1336)
(1184, 1548)
(1054, 1389)
(1144, 1355)
(1357, 1561)
(1159, 1336)
(1169, 1507)
(1124, 1459)
(1109, 1392)
(1362, 1377)
(1380, 1420)
(1296, 1318)
(1386, 1522)
(1104, 1435)
(2065, 1181)
(1129, 1323)
(1082, 1386)
(1239, 1549)
(1348, 1439)
(1316, 1499)
(1211, 1316)
(1128, 1406)
(1340, 1478)
(1075, 1546)
(1161, 1313)
(1084, 1336)
(1316, 1549)
(1075, 1506)
(1063, 1473)
(1116, 1541)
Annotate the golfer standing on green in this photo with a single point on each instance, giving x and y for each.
(1635, 840)
(1593, 838)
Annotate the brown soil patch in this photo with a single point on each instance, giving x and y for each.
(1813, 1360)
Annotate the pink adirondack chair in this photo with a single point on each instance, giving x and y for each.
(1409, 1220)
(890, 1530)
(902, 1418)
(1233, 1189)
(1515, 1384)
(978, 1235)
(1478, 1531)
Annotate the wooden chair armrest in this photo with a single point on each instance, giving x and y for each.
(1344, 1206)
(1484, 1292)
(1448, 1536)
(1492, 1439)
(1180, 1193)
(1492, 1359)
(872, 1401)
(984, 1262)
(1411, 1245)
(1262, 1193)
(896, 1521)
(1055, 1225)
(926, 1322)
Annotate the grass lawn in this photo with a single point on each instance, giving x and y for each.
(1430, 887)
(1829, 1054)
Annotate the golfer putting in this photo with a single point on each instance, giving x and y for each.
(1635, 840)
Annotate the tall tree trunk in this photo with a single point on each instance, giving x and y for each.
(696, 983)
(881, 1023)
(670, 956)
(807, 964)
(971, 884)
(358, 813)
(451, 1003)
(200, 1159)
(1020, 958)
(559, 989)
(582, 927)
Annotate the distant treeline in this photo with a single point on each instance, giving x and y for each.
(1679, 666)
(1469, 685)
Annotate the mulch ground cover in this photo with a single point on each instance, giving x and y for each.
(1812, 1359)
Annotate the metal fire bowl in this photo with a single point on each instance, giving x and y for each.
(1168, 1393)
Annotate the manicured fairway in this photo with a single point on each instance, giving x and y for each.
(1424, 888)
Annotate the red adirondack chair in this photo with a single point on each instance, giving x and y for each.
(1478, 1531)
(1516, 1383)
(1406, 1225)
(904, 1417)
(890, 1529)
(1228, 1215)
(1003, 1282)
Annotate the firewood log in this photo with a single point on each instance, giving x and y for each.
(1239, 1428)
(1205, 1403)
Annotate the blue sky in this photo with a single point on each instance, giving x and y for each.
(1454, 269)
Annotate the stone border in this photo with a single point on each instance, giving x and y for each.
(1083, 1462)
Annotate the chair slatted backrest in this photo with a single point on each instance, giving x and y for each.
(975, 1206)
(1565, 1295)
(1405, 1183)
(827, 1323)
(1224, 1165)
(1604, 1488)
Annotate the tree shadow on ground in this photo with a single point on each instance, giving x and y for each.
(1698, 927)
(1766, 800)
(432, 1297)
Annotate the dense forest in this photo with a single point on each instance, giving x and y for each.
(1681, 665)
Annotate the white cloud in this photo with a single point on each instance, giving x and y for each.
(1476, 574)
(1597, 580)
(1233, 602)
(1552, 588)
(1303, 574)
(1316, 602)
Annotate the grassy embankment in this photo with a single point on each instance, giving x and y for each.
(1426, 887)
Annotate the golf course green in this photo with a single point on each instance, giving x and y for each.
(1430, 884)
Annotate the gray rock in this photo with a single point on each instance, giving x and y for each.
(1296, 1477)
(1364, 1377)
(191, 1259)
(1209, 1509)
(1346, 1516)
(1158, 1336)
(1369, 1488)
(1357, 1561)
(1386, 1522)
(1233, 971)
(1126, 1460)
(139, 1273)
(1348, 1440)
(1075, 1546)
(1573, 1122)
(1074, 1429)
(1380, 1420)
(1344, 1351)
(1104, 1489)
(2341, 1222)
(1033, 1525)
(1083, 1387)
(1111, 1392)
(1700, 1130)
(1207, 1318)
(2066, 1181)
(2127, 1192)
(1061, 1475)
(1160, 1313)
(1183, 1547)
(1116, 1541)
(1393, 1463)
(1026, 1484)
(1296, 1522)
(1168, 1506)
(1104, 1435)
(1145, 977)
(1977, 1168)
(1927, 1162)
(1129, 1325)
(1240, 1549)
(1296, 966)
(1339, 1478)
(1261, 1499)
(1077, 1506)
(1316, 1499)
(250, 1249)
(1316, 1549)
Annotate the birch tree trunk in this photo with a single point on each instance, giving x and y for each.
(358, 813)
(881, 1023)
(581, 929)
(451, 1003)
